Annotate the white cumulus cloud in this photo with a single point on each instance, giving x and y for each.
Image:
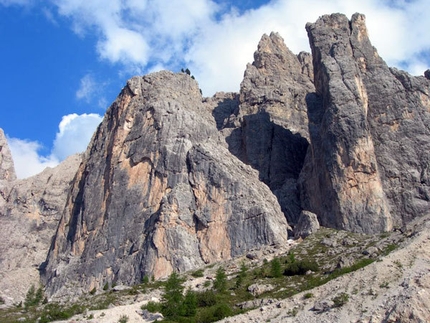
(217, 41)
(75, 132)
(73, 136)
(26, 157)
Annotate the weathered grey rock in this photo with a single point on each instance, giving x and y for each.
(270, 130)
(120, 288)
(323, 306)
(427, 74)
(258, 289)
(28, 220)
(158, 192)
(7, 169)
(256, 303)
(345, 261)
(307, 224)
(368, 165)
(277, 83)
(148, 316)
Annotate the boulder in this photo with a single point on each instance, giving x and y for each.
(258, 289)
(307, 224)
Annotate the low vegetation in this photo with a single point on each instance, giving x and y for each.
(340, 300)
(307, 265)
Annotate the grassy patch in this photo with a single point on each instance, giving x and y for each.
(198, 273)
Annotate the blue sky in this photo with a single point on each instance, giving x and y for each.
(63, 62)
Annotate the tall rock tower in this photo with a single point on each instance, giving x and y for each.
(368, 165)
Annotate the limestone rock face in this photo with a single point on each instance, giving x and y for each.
(158, 191)
(28, 220)
(307, 224)
(368, 165)
(277, 83)
(270, 129)
(7, 169)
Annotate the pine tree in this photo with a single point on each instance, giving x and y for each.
(173, 297)
(220, 283)
(275, 268)
(242, 275)
(190, 303)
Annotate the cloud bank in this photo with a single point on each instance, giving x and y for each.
(216, 40)
(73, 136)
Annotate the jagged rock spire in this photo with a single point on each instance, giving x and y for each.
(368, 166)
(7, 169)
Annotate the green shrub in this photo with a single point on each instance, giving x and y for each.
(206, 298)
(308, 295)
(56, 312)
(242, 275)
(145, 280)
(300, 267)
(222, 310)
(123, 319)
(358, 265)
(214, 313)
(384, 285)
(340, 299)
(291, 258)
(198, 273)
(106, 286)
(293, 312)
(93, 291)
(152, 307)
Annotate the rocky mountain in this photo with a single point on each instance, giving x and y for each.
(172, 181)
(30, 210)
(270, 128)
(368, 166)
(158, 191)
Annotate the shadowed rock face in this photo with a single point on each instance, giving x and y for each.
(270, 128)
(158, 191)
(368, 165)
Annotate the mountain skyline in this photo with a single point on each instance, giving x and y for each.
(64, 62)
